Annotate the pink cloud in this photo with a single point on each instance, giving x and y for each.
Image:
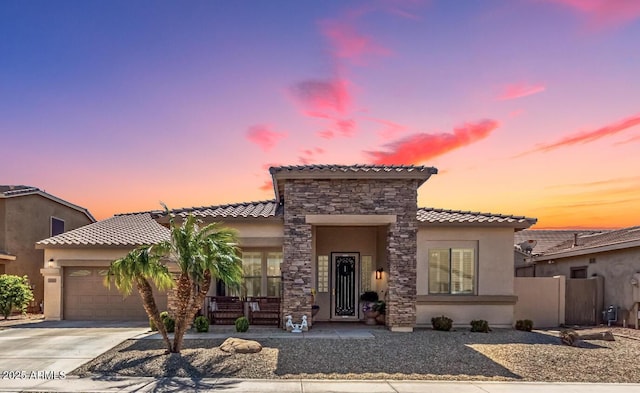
(417, 148)
(308, 155)
(318, 97)
(390, 129)
(632, 139)
(266, 186)
(590, 136)
(347, 43)
(604, 13)
(262, 136)
(516, 113)
(326, 134)
(346, 127)
(518, 90)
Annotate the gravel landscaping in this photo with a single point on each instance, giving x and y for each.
(503, 354)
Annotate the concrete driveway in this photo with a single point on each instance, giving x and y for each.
(51, 349)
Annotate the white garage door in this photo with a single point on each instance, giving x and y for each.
(86, 297)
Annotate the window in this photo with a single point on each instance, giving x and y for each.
(57, 226)
(323, 273)
(579, 272)
(366, 269)
(261, 275)
(274, 277)
(452, 271)
(252, 273)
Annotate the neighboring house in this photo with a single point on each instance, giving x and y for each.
(531, 242)
(613, 255)
(332, 232)
(28, 214)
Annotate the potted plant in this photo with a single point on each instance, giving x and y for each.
(381, 308)
(368, 299)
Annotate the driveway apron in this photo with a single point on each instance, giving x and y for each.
(34, 352)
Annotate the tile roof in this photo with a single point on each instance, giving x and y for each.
(442, 216)
(259, 209)
(589, 241)
(547, 239)
(123, 230)
(11, 191)
(135, 229)
(354, 168)
(8, 190)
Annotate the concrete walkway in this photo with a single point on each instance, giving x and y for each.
(120, 384)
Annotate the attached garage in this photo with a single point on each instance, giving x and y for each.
(76, 263)
(87, 298)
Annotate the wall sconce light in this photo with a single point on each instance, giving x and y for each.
(50, 263)
(379, 274)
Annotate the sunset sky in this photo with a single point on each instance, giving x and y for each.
(527, 107)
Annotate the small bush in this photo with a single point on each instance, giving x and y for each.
(169, 324)
(442, 323)
(164, 315)
(524, 325)
(242, 324)
(202, 324)
(480, 325)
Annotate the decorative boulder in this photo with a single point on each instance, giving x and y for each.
(239, 345)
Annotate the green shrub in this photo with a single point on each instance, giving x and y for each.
(164, 315)
(380, 306)
(15, 292)
(442, 323)
(524, 324)
(480, 325)
(242, 324)
(202, 324)
(169, 324)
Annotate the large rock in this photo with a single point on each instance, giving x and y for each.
(238, 345)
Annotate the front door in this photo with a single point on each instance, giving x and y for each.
(345, 286)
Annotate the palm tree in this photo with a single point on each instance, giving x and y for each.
(137, 268)
(201, 253)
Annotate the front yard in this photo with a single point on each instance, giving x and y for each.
(503, 354)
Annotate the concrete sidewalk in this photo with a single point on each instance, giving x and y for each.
(123, 384)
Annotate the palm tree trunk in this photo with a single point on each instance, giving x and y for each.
(183, 314)
(201, 294)
(149, 303)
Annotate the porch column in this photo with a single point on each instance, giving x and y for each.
(296, 266)
(401, 292)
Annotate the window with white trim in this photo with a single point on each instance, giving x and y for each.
(452, 271)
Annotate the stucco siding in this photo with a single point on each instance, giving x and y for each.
(494, 275)
(495, 256)
(617, 267)
(27, 220)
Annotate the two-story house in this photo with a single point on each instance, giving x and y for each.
(28, 214)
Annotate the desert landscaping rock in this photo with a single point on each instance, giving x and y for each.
(239, 345)
(502, 355)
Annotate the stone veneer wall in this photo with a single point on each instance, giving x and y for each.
(362, 196)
